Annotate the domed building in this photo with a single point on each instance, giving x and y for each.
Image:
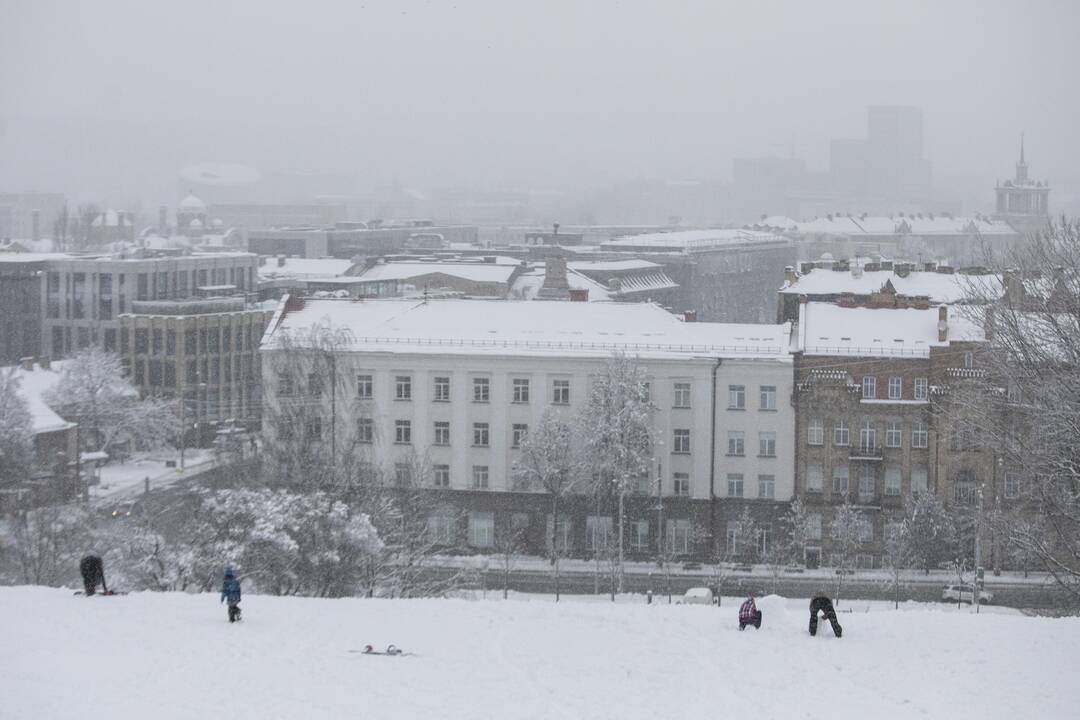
(191, 210)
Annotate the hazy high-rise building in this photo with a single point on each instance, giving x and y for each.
(888, 163)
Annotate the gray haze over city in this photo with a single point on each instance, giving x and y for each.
(108, 101)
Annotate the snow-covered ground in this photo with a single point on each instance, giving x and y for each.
(174, 656)
(123, 480)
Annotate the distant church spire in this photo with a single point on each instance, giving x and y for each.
(1021, 148)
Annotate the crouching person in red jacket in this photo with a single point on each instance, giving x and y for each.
(749, 614)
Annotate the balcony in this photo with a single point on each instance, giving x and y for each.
(873, 453)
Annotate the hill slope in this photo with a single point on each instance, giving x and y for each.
(171, 655)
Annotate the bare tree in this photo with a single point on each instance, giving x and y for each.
(548, 461)
(896, 557)
(849, 527)
(16, 426)
(929, 531)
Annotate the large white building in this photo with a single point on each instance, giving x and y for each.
(460, 381)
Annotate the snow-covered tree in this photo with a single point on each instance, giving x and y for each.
(617, 430)
(548, 461)
(93, 392)
(896, 558)
(45, 544)
(849, 527)
(16, 426)
(742, 538)
(929, 531)
(1030, 402)
(796, 523)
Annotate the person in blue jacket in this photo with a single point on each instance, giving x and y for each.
(230, 591)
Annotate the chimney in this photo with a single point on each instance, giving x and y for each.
(579, 294)
(555, 227)
(988, 323)
(27, 363)
(789, 275)
(1013, 286)
(489, 259)
(942, 323)
(44, 363)
(163, 218)
(35, 223)
(555, 285)
(281, 261)
(690, 316)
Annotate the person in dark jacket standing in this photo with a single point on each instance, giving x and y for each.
(749, 614)
(93, 572)
(822, 604)
(230, 591)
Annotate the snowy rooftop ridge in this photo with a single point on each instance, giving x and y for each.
(831, 329)
(33, 386)
(939, 287)
(501, 327)
(694, 239)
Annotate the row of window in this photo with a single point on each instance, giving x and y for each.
(868, 433)
(737, 397)
(158, 341)
(867, 480)
(895, 388)
(766, 486)
(736, 444)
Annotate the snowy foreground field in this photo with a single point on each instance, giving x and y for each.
(174, 656)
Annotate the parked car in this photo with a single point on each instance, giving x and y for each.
(698, 596)
(691, 565)
(964, 593)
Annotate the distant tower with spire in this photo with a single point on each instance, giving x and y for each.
(1022, 202)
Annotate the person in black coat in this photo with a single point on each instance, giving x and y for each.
(93, 572)
(822, 604)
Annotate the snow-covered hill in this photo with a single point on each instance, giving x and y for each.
(175, 656)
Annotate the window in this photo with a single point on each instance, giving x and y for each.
(1014, 395)
(969, 359)
(732, 537)
(767, 444)
(815, 433)
(1012, 484)
(840, 481)
(815, 477)
(682, 395)
(597, 532)
(226, 339)
(681, 484)
(481, 529)
(442, 389)
(313, 430)
(867, 435)
(869, 386)
(440, 476)
(639, 534)
(736, 442)
(735, 484)
(170, 342)
(519, 431)
(736, 397)
(766, 487)
(214, 336)
(920, 436)
(403, 384)
(921, 386)
(768, 397)
(521, 390)
(481, 390)
(764, 535)
(866, 531)
(441, 528)
(402, 432)
(962, 437)
(893, 434)
(840, 433)
(284, 384)
(892, 480)
(480, 477)
(480, 435)
(142, 343)
(442, 432)
(157, 337)
(402, 474)
(364, 386)
(314, 383)
(867, 483)
(678, 540)
(562, 533)
(813, 526)
(560, 392)
(896, 387)
(918, 479)
(365, 431)
(680, 440)
(189, 342)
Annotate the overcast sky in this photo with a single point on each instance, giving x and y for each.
(109, 99)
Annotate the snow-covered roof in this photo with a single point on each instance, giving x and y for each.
(33, 386)
(305, 268)
(528, 284)
(477, 272)
(500, 327)
(693, 239)
(939, 287)
(612, 265)
(830, 329)
(856, 225)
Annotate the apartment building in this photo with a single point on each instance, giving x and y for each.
(84, 296)
(460, 382)
(873, 424)
(202, 350)
(21, 276)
